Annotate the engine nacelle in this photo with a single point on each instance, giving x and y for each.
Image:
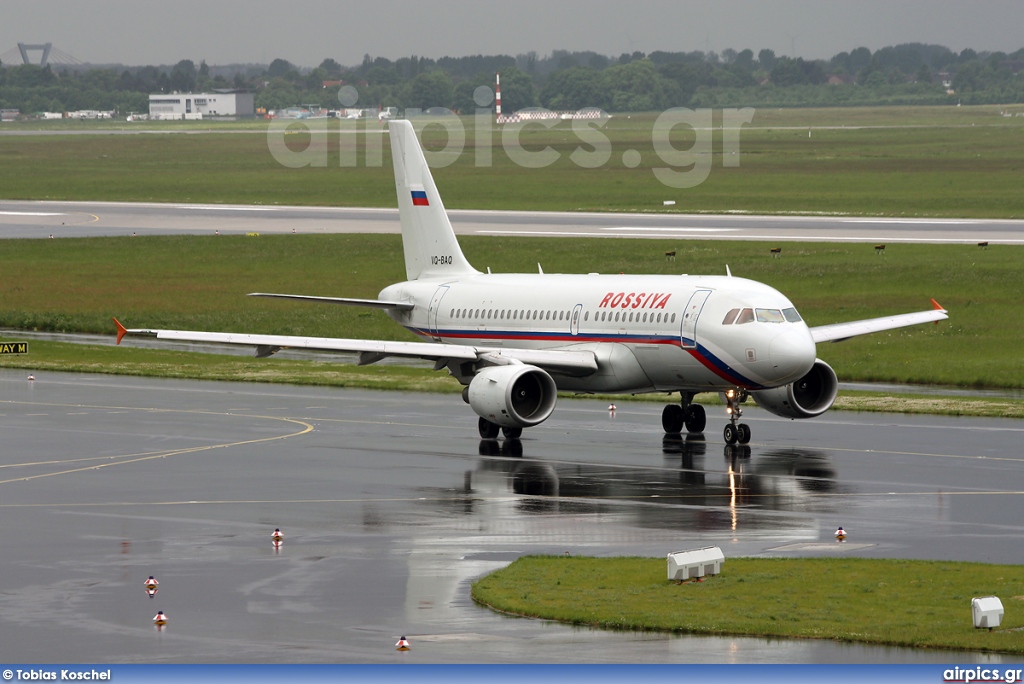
(513, 396)
(808, 397)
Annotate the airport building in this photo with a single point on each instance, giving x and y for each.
(236, 103)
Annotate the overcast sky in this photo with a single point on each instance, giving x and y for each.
(138, 32)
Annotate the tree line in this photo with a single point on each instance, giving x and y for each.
(911, 73)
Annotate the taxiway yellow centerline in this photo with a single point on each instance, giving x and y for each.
(149, 455)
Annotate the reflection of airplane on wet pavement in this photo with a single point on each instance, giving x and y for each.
(514, 340)
(688, 492)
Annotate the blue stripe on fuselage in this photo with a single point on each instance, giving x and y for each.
(701, 353)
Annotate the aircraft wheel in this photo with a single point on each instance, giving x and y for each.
(487, 429)
(697, 419)
(743, 433)
(672, 419)
(730, 434)
(512, 432)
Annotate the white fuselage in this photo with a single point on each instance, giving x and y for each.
(649, 333)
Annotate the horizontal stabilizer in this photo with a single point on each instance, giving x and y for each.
(348, 301)
(838, 332)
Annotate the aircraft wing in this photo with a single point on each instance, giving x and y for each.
(566, 362)
(837, 332)
(371, 303)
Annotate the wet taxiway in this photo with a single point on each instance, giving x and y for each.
(391, 505)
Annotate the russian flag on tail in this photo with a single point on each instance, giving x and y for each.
(419, 198)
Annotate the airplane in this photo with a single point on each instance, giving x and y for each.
(515, 340)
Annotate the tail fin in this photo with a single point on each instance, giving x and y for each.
(427, 236)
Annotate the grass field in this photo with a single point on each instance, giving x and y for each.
(926, 161)
(199, 283)
(925, 604)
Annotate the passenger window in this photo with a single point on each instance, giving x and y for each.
(791, 315)
(745, 316)
(616, 316)
(673, 318)
(586, 316)
(730, 317)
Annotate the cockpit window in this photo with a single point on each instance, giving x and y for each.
(791, 315)
(746, 316)
(740, 316)
(769, 316)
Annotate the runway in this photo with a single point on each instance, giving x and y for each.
(391, 505)
(20, 219)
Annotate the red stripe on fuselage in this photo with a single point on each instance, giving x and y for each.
(707, 363)
(732, 379)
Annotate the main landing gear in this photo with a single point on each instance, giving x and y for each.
(675, 416)
(489, 430)
(693, 417)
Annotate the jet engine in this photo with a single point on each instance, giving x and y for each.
(513, 396)
(810, 396)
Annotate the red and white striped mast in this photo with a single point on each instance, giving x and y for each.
(497, 96)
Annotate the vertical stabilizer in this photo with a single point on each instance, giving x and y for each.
(431, 249)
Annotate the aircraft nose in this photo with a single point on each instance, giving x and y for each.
(792, 354)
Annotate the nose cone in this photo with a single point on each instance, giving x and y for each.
(792, 354)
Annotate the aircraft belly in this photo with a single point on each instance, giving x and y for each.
(671, 368)
(618, 371)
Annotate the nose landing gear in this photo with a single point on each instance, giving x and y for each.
(735, 431)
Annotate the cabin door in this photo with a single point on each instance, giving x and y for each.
(688, 333)
(435, 305)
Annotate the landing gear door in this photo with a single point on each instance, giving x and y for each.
(688, 334)
(574, 323)
(435, 305)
